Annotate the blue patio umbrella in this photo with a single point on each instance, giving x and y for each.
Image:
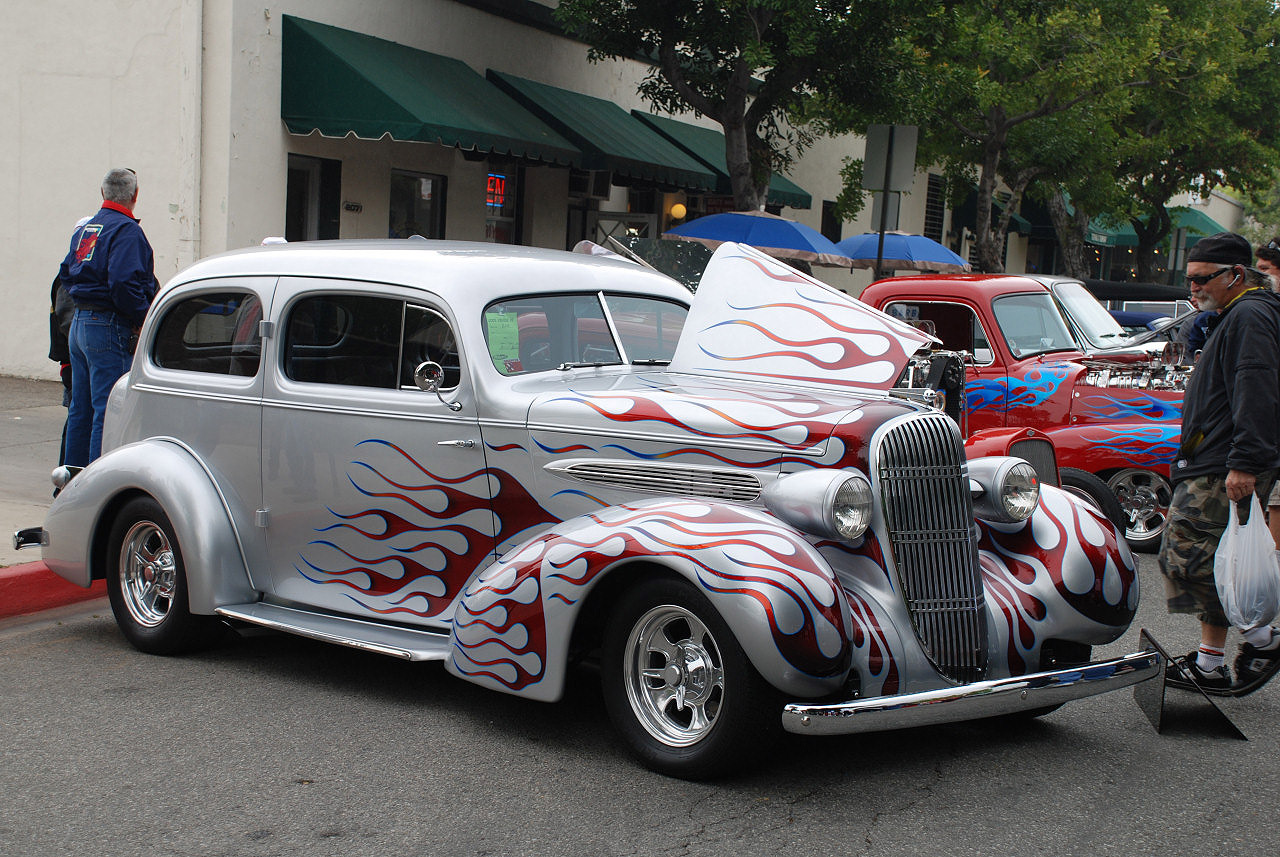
(777, 236)
(902, 252)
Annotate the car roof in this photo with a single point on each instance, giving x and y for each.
(464, 272)
(957, 285)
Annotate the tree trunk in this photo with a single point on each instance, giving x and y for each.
(1070, 229)
(748, 194)
(1150, 235)
(988, 242)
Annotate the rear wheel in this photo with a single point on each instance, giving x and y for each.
(1090, 488)
(147, 584)
(1144, 496)
(678, 686)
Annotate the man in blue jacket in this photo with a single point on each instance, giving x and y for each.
(109, 273)
(1229, 450)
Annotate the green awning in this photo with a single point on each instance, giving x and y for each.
(1107, 233)
(707, 145)
(339, 82)
(609, 137)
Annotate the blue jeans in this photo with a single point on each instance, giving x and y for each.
(99, 346)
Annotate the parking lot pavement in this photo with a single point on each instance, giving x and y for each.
(31, 419)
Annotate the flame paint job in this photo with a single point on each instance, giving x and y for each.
(1063, 573)
(770, 584)
(411, 550)
(757, 317)
(1132, 405)
(1033, 388)
(1152, 447)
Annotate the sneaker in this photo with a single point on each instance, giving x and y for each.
(1215, 682)
(1254, 667)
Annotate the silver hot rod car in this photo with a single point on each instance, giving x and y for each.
(507, 459)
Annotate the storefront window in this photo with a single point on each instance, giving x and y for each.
(417, 205)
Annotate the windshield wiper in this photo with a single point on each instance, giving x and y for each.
(565, 367)
(650, 361)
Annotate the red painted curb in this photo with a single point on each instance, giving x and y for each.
(31, 587)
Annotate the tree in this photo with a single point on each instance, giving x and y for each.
(757, 67)
(1262, 211)
(1206, 117)
(997, 76)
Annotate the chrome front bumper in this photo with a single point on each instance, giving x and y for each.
(972, 701)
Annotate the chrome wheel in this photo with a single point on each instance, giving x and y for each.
(674, 676)
(1144, 496)
(148, 573)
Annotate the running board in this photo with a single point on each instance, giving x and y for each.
(397, 642)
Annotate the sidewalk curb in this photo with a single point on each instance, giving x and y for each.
(32, 587)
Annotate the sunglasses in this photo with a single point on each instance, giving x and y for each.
(1201, 279)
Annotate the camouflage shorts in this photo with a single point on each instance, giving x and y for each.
(1198, 515)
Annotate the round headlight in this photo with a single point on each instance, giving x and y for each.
(1020, 491)
(851, 508)
(828, 503)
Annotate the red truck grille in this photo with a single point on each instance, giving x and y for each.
(919, 465)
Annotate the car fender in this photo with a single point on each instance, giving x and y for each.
(80, 519)
(779, 597)
(1064, 573)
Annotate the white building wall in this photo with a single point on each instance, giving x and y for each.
(86, 87)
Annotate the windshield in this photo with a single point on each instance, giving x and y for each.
(1095, 325)
(1031, 324)
(537, 333)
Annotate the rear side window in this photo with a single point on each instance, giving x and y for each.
(215, 333)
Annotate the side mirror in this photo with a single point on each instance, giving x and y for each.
(428, 376)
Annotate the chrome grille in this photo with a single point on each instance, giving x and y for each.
(1038, 452)
(919, 465)
(664, 478)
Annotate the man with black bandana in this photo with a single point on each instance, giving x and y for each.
(1229, 450)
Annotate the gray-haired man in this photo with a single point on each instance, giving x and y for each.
(109, 274)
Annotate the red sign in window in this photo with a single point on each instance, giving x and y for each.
(496, 191)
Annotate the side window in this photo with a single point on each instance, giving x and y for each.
(352, 340)
(957, 325)
(216, 333)
(428, 336)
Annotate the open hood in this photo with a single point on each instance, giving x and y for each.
(755, 317)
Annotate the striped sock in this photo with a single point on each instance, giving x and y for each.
(1209, 658)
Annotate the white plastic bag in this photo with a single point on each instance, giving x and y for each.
(1246, 572)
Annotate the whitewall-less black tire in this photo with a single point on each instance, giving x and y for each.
(680, 689)
(147, 583)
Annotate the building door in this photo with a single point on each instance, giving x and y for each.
(312, 199)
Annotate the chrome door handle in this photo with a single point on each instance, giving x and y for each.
(462, 444)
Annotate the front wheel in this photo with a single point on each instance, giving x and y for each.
(1090, 488)
(147, 583)
(1144, 496)
(678, 686)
